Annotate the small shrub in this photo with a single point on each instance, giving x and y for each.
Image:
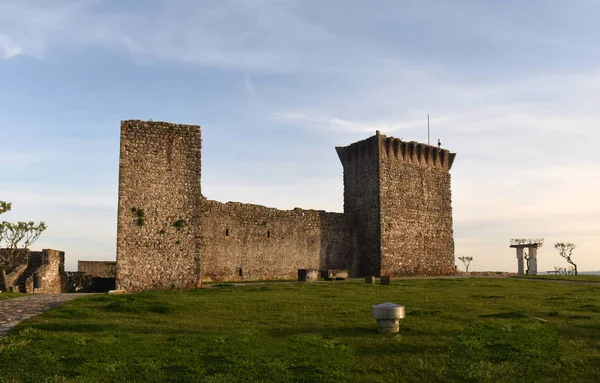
(179, 224)
(139, 213)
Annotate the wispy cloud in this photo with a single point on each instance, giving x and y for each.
(236, 34)
(341, 125)
(249, 86)
(8, 48)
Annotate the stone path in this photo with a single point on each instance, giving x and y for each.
(15, 310)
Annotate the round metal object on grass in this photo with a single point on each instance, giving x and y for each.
(388, 317)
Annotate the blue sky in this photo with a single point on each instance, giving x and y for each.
(512, 87)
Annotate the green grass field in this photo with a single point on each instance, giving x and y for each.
(471, 329)
(575, 278)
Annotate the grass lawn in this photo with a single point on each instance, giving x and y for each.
(471, 329)
(7, 295)
(579, 278)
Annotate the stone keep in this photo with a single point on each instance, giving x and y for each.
(397, 216)
(398, 196)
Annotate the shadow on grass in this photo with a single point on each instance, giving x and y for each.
(427, 313)
(400, 347)
(506, 315)
(481, 296)
(325, 331)
(72, 327)
(590, 308)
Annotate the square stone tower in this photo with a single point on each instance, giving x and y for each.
(158, 233)
(398, 196)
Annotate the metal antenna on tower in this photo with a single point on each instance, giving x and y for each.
(427, 128)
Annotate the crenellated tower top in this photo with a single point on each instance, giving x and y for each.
(391, 148)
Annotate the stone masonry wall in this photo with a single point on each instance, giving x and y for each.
(416, 212)
(397, 216)
(158, 235)
(361, 200)
(102, 269)
(51, 271)
(244, 241)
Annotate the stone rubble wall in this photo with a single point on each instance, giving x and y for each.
(397, 216)
(262, 243)
(361, 200)
(416, 211)
(158, 234)
(15, 274)
(51, 271)
(102, 269)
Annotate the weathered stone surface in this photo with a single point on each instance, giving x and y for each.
(158, 233)
(397, 216)
(13, 311)
(398, 194)
(268, 243)
(361, 201)
(102, 269)
(308, 275)
(331, 274)
(370, 280)
(52, 263)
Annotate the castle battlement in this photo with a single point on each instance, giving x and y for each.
(394, 148)
(359, 151)
(416, 152)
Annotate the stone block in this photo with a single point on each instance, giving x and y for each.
(308, 275)
(339, 274)
(385, 280)
(370, 280)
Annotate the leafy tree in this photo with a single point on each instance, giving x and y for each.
(466, 261)
(565, 250)
(15, 238)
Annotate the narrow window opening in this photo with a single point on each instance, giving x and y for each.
(227, 232)
(269, 234)
(241, 272)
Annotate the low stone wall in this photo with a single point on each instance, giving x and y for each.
(245, 241)
(102, 269)
(50, 271)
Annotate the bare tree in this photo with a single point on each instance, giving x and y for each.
(565, 249)
(467, 261)
(16, 239)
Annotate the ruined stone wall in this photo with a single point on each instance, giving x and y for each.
(416, 212)
(361, 200)
(397, 216)
(244, 241)
(158, 236)
(11, 278)
(102, 269)
(51, 271)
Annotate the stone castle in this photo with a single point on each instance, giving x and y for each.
(397, 218)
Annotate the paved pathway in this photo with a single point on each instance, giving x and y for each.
(15, 310)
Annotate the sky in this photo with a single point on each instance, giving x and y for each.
(512, 87)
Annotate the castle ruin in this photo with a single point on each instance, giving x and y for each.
(397, 218)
